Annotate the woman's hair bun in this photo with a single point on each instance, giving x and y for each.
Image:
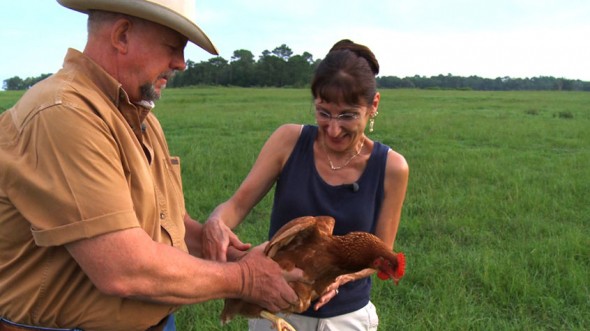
(360, 50)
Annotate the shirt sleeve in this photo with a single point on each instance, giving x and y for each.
(72, 181)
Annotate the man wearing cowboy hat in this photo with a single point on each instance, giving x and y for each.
(95, 234)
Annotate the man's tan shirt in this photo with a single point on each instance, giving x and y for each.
(78, 160)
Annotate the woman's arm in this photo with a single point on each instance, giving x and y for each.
(217, 231)
(395, 186)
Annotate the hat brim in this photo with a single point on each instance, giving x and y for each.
(149, 11)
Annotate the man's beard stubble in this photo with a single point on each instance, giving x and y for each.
(148, 90)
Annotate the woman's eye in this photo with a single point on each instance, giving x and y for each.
(347, 116)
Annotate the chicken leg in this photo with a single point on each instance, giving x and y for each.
(278, 322)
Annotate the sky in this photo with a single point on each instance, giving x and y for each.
(486, 38)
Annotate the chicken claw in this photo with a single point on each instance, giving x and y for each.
(278, 322)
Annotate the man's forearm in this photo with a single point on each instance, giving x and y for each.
(192, 236)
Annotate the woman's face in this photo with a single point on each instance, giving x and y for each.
(342, 125)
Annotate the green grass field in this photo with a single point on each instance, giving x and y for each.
(496, 220)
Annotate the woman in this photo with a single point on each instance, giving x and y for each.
(330, 169)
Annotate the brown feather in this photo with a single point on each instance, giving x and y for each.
(307, 243)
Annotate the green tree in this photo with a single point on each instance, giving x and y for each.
(16, 83)
(219, 71)
(13, 84)
(270, 70)
(283, 52)
(242, 68)
(299, 70)
(212, 72)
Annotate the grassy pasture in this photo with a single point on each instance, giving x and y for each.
(495, 225)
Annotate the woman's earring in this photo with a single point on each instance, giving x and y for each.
(372, 121)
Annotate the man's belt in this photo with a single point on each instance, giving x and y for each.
(6, 325)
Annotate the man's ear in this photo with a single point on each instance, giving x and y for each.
(120, 35)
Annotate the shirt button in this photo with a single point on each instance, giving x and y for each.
(162, 216)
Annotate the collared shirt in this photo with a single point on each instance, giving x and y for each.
(78, 160)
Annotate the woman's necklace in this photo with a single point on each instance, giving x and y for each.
(334, 168)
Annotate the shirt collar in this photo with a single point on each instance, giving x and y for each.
(134, 114)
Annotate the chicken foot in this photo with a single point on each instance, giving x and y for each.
(278, 322)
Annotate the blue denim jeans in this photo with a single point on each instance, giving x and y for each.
(170, 324)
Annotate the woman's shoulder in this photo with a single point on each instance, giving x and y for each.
(395, 160)
(282, 141)
(290, 128)
(287, 132)
(396, 163)
(284, 137)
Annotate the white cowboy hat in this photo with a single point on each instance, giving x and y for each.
(176, 14)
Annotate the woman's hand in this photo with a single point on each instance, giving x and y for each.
(217, 239)
(332, 290)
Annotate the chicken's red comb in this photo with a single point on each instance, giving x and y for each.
(401, 268)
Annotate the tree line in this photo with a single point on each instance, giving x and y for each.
(16, 83)
(280, 68)
(449, 81)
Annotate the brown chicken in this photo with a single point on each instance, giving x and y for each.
(307, 243)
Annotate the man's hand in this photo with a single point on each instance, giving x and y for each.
(265, 282)
(217, 238)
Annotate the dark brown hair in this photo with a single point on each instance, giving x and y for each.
(346, 75)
